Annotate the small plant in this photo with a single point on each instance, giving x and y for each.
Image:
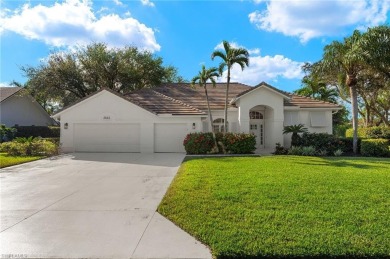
(280, 150)
(308, 151)
(295, 151)
(338, 152)
(295, 130)
(6, 134)
(322, 152)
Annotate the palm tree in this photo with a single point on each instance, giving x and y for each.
(295, 130)
(230, 57)
(314, 88)
(203, 76)
(346, 60)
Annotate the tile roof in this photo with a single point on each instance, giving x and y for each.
(6, 92)
(183, 99)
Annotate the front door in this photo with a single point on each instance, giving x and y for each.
(257, 129)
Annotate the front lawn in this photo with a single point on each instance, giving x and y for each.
(284, 206)
(7, 160)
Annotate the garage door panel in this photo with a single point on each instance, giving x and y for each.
(95, 137)
(168, 137)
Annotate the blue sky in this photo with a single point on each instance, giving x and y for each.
(280, 35)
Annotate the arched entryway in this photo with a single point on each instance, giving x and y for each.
(260, 125)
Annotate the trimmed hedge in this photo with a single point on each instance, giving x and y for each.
(38, 131)
(370, 133)
(375, 147)
(231, 143)
(326, 143)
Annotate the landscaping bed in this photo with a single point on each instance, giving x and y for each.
(284, 206)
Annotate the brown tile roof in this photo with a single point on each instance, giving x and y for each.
(6, 92)
(160, 103)
(183, 99)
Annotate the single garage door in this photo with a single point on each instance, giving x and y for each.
(99, 137)
(168, 137)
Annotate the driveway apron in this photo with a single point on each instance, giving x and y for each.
(91, 205)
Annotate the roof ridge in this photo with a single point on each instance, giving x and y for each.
(177, 101)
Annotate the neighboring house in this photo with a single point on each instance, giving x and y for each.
(158, 119)
(18, 107)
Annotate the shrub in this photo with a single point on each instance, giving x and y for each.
(280, 150)
(375, 147)
(198, 143)
(370, 132)
(338, 152)
(239, 143)
(7, 134)
(328, 143)
(309, 151)
(38, 131)
(29, 147)
(295, 151)
(232, 143)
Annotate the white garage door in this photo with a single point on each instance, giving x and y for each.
(96, 137)
(168, 137)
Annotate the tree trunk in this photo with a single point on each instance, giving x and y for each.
(211, 119)
(226, 101)
(353, 93)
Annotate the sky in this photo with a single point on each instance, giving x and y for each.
(280, 35)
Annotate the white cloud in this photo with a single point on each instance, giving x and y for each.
(233, 44)
(308, 19)
(3, 84)
(73, 22)
(147, 3)
(265, 68)
(117, 2)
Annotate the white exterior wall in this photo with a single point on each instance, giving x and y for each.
(24, 111)
(304, 118)
(93, 109)
(274, 114)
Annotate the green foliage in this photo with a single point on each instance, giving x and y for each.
(38, 131)
(233, 143)
(284, 206)
(7, 160)
(68, 76)
(371, 132)
(29, 147)
(198, 143)
(230, 56)
(7, 134)
(295, 130)
(280, 150)
(338, 152)
(375, 147)
(238, 143)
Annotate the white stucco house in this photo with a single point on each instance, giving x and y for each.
(18, 107)
(158, 119)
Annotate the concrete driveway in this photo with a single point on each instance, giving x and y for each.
(91, 206)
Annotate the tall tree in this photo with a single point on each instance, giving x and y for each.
(66, 77)
(230, 57)
(346, 60)
(203, 76)
(313, 87)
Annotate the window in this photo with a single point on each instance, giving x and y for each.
(318, 119)
(255, 115)
(218, 125)
(291, 118)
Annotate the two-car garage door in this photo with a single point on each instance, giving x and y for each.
(116, 137)
(106, 137)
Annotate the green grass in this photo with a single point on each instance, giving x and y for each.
(6, 160)
(284, 206)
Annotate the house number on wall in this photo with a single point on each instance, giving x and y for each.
(106, 118)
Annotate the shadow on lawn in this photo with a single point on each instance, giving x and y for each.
(349, 162)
